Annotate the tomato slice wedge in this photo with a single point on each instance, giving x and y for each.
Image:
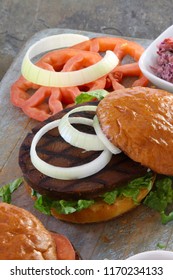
(65, 250)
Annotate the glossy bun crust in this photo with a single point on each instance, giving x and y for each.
(23, 237)
(139, 121)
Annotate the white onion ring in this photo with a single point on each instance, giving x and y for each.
(66, 173)
(86, 141)
(44, 77)
(111, 147)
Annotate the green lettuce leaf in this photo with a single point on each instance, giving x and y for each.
(145, 181)
(161, 246)
(91, 95)
(133, 188)
(68, 207)
(166, 218)
(43, 204)
(161, 197)
(131, 192)
(7, 190)
(110, 197)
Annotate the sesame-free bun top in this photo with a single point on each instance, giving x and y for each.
(23, 236)
(139, 121)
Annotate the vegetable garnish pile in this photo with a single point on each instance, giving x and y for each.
(77, 66)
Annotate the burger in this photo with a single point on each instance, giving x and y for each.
(23, 237)
(138, 121)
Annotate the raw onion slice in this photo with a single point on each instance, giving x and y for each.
(112, 148)
(79, 139)
(66, 173)
(45, 77)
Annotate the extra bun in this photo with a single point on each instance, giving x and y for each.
(23, 237)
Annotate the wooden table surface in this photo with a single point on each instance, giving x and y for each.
(134, 232)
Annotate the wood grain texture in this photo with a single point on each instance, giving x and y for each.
(137, 231)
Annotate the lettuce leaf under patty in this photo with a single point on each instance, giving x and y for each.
(132, 189)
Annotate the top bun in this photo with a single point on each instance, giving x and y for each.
(23, 237)
(139, 121)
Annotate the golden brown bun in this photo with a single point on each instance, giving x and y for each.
(101, 211)
(23, 237)
(139, 121)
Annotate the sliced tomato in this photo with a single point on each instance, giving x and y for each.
(65, 250)
(42, 102)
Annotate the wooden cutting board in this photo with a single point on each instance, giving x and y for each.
(134, 232)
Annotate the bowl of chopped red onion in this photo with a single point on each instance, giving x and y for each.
(156, 63)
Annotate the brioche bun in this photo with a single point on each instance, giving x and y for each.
(139, 121)
(23, 237)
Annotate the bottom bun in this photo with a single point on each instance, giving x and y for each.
(101, 211)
